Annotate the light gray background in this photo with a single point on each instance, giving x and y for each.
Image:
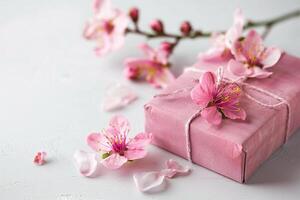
(52, 86)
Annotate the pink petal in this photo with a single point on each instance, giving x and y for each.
(204, 92)
(239, 18)
(140, 141)
(117, 41)
(236, 30)
(98, 142)
(237, 68)
(208, 81)
(97, 4)
(270, 57)
(118, 96)
(86, 163)
(235, 113)
(114, 161)
(162, 55)
(39, 158)
(148, 51)
(212, 115)
(148, 181)
(121, 23)
(162, 78)
(215, 55)
(120, 124)
(257, 72)
(104, 45)
(134, 154)
(252, 45)
(200, 97)
(237, 50)
(174, 168)
(103, 9)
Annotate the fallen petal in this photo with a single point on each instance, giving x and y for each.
(147, 181)
(118, 96)
(174, 168)
(86, 163)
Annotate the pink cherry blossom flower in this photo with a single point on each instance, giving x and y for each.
(154, 68)
(217, 99)
(252, 58)
(220, 51)
(115, 145)
(107, 27)
(39, 158)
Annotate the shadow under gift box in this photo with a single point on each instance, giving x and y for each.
(236, 148)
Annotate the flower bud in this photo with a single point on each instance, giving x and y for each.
(186, 28)
(134, 14)
(167, 47)
(157, 26)
(131, 72)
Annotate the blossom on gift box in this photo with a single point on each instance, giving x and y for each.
(115, 145)
(252, 58)
(222, 42)
(217, 99)
(154, 68)
(39, 158)
(107, 27)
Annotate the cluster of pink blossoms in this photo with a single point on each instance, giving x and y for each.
(244, 57)
(108, 28)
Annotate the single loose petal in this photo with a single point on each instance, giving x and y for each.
(212, 115)
(173, 168)
(114, 161)
(148, 181)
(86, 163)
(118, 96)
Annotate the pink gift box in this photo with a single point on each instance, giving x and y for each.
(236, 148)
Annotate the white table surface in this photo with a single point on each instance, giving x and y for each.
(52, 86)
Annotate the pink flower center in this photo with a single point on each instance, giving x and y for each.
(226, 94)
(118, 144)
(108, 26)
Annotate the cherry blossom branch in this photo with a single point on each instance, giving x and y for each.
(187, 31)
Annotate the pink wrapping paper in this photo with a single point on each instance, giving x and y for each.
(236, 148)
